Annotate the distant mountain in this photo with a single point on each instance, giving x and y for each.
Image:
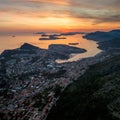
(115, 31)
(106, 40)
(72, 33)
(103, 36)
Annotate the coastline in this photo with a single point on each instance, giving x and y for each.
(32, 81)
(88, 54)
(70, 39)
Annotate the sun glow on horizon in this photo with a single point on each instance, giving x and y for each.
(64, 15)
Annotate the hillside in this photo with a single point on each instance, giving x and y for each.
(55, 51)
(106, 40)
(111, 44)
(64, 49)
(95, 95)
(103, 36)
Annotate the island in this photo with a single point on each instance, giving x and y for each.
(45, 36)
(51, 37)
(73, 43)
(71, 33)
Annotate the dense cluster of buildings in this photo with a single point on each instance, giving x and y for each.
(31, 84)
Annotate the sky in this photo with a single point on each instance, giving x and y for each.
(58, 15)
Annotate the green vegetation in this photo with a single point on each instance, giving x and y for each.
(94, 96)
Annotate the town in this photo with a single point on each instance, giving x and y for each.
(31, 81)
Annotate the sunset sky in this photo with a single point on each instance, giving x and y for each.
(58, 15)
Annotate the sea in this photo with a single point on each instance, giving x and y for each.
(15, 41)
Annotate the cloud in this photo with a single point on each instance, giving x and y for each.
(98, 11)
(106, 4)
(34, 8)
(61, 2)
(108, 19)
(77, 12)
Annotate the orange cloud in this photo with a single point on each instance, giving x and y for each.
(61, 2)
(55, 15)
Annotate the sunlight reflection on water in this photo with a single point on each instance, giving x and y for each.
(9, 42)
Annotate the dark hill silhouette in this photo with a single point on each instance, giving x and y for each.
(103, 36)
(94, 96)
(28, 46)
(106, 40)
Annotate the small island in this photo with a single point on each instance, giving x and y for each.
(45, 36)
(51, 37)
(72, 33)
(73, 43)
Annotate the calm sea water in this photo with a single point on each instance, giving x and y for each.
(9, 42)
